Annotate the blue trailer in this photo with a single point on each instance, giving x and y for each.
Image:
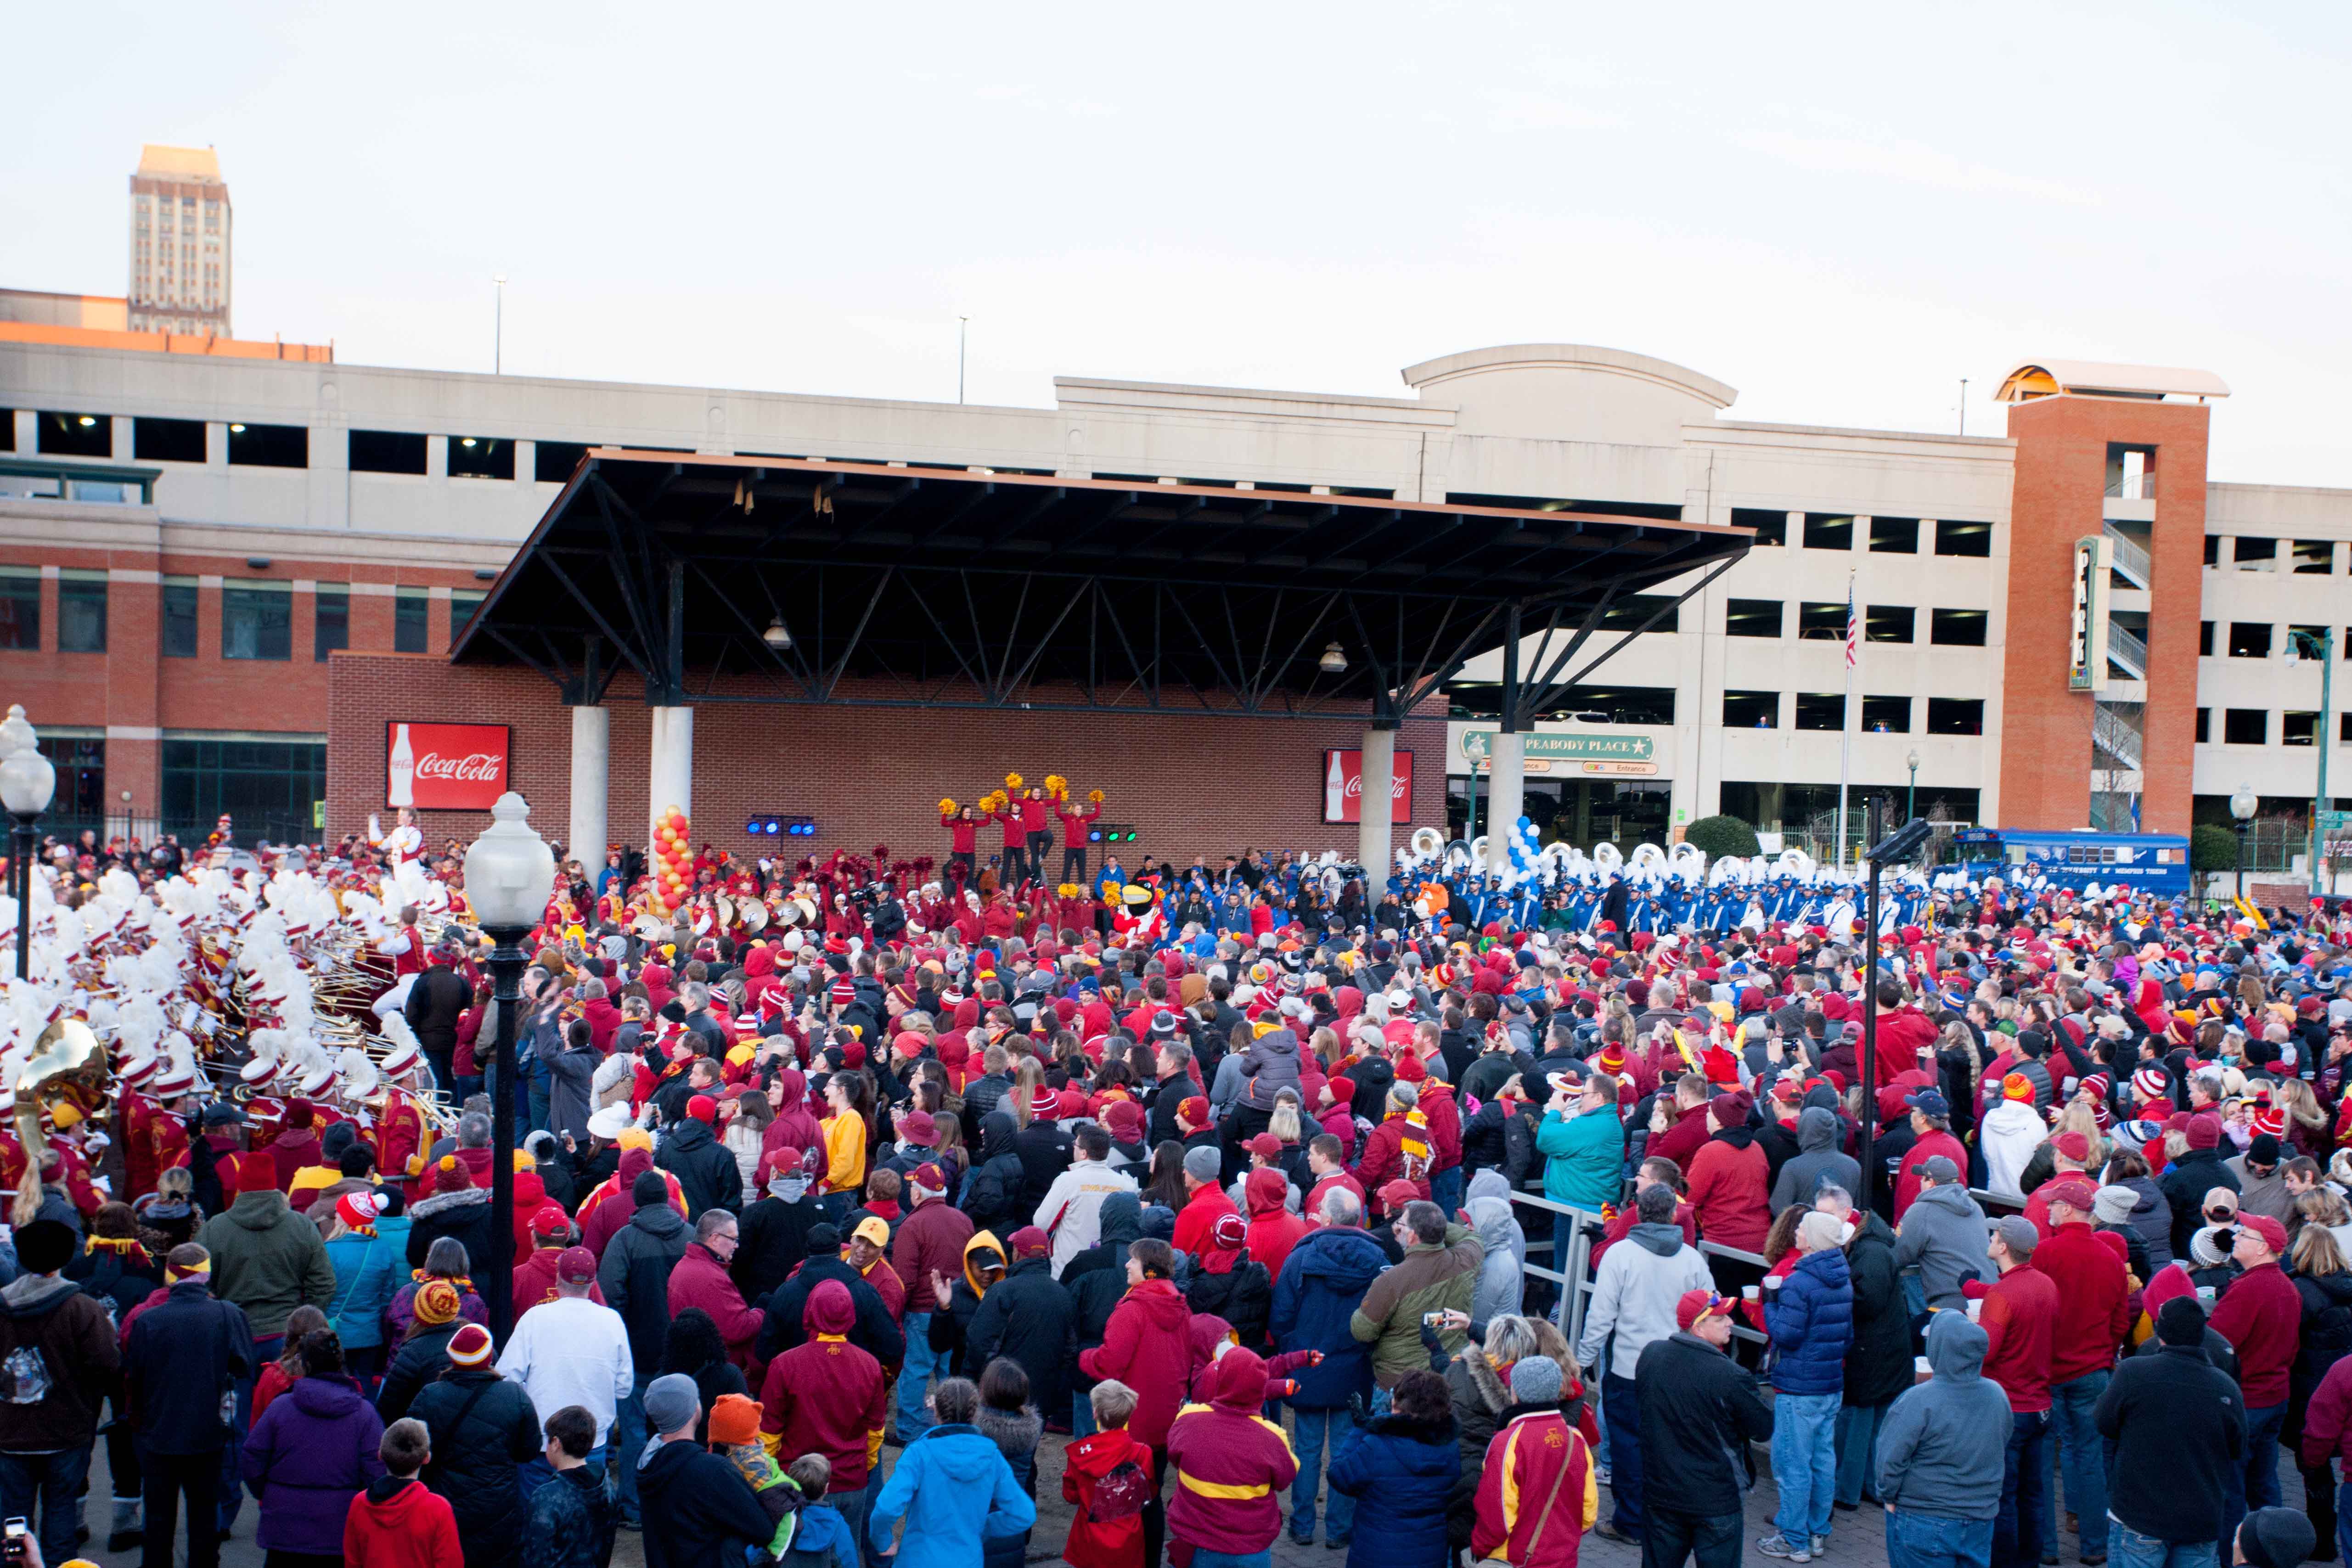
(2155, 864)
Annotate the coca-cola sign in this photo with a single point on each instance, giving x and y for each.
(445, 767)
(1343, 787)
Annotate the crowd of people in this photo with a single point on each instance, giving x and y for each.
(830, 1230)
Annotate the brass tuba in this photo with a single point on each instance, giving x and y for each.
(66, 1077)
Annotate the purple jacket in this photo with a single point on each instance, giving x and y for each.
(312, 1451)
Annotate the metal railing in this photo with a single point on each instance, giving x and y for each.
(2127, 648)
(24, 478)
(2116, 735)
(2139, 487)
(2128, 555)
(1575, 1281)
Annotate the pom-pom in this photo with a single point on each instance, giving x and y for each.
(947, 806)
(1013, 781)
(1095, 797)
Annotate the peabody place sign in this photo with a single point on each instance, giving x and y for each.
(1477, 745)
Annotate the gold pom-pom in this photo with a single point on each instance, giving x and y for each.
(947, 808)
(1094, 796)
(1013, 781)
(1057, 786)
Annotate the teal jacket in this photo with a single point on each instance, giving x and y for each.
(369, 1271)
(1584, 1158)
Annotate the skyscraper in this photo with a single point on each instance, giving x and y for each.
(180, 234)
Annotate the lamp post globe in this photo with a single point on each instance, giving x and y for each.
(28, 782)
(2243, 804)
(510, 872)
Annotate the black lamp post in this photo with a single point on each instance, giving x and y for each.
(509, 870)
(28, 780)
(1904, 844)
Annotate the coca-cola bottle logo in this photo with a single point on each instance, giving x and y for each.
(473, 768)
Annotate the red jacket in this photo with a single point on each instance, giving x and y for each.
(929, 1241)
(1443, 1114)
(1074, 826)
(1682, 1139)
(2261, 1317)
(1730, 1191)
(1522, 1461)
(1148, 1345)
(2094, 1301)
(1384, 1159)
(825, 1394)
(1906, 1176)
(1901, 1033)
(414, 1528)
(2019, 1317)
(700, 1280)
(1010, 821)
(1200, 1215)
(1314, 1196)
(1231, 1463)
(1032, 813)
(1626, 1218)
(963, 835)
(1273, 1230)
(1113, 1543)
(534, 1280)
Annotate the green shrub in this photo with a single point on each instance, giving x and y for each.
(1720, 836)
(2212, 848)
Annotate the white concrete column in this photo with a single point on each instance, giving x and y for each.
(1506, 795)
(672, 753)
(592, 775)
(1377, 817)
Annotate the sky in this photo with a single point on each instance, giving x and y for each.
(1840, 210)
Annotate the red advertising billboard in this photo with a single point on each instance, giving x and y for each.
(1343, 787)
(445, 767)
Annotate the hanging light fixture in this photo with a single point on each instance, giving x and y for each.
(1334, 661)
(777, 635)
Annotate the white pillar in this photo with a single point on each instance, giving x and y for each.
(672, 756)
(592, 773)
(1506, 795)
(1377, 817)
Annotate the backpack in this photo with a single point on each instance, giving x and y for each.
(1120, 1494)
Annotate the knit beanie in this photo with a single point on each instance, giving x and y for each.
(2181, 1320)
(734, 1418)
(1535, 1380)
(470, 1346)
(435, 1303)
(2114, 1205)
(2275, 1538)
(672, 1402)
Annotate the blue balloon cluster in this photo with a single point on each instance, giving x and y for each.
(1524, 848)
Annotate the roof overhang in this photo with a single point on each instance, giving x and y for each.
(2030, 379)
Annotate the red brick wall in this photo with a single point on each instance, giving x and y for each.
(2061, 479)
(1190, 783)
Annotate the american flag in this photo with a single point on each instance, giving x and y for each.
(1853, 627)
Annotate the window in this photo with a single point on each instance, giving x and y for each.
(2315, 557)
(272, 788)
(1751, 710)
(386, 452)
(462, 604)
(2297, 728)
(331, 625)
(1887, 623)
(2212, 549)
(1895, 536)
(1821, 710)
(552, 462)
(479, 457)
(1957, 628)
(168, 440)
(2204, 639)
(1961, 538)
(1771, 528)
(2204, 724)
(1818, 619)
(77, 435)
(1632, 612)
(2246, 726)
(1955, 716)
(1887, 716)
(81, 611)
(2256, 555)
(258, 620)
(1827, 530)
(2250, 639)
(270, 445)
(7, 430)
(1623, 705)
(81, 797)
(20, 608)
(1752, 617)
(179, 618)
(410, 608)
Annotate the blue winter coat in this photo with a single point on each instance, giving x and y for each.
(1584, 1159)
(1323, 1282)
(947, 1479)
(1810, 1319)
(1402, 1473)
(369, 1271)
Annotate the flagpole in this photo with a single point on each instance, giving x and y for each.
(1845, 731)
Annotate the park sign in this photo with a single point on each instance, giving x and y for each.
(1477, 746)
